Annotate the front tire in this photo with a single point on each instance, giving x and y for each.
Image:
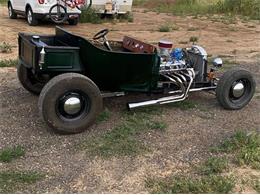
(31, 18)
(11, 13)
(70, 103)
(29, 81)
(235, 89)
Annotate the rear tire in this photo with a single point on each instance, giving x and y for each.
(30, 17)
(28, 80)
(74, 21)
(11, 13)
(235, 89)
(70, 103)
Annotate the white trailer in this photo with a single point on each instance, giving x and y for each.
(112, 6)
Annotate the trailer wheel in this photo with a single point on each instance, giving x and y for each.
(235, 89)
(70, 103)
(30, 81)
(11, 13)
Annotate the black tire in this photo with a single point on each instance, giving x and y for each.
(226, 95)
(11, 13)
(29, 81)
(62, 89)
(30, 17)
(58, 16)
(73, 21)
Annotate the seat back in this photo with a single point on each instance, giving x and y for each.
(137, 46)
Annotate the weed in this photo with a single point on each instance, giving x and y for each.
(229, 41)
(183, 42)
(5, 48)
(90, 16)
(194, 39)
(245, 147)
(165, 28)
(256, 185)
(184, 185)
(185, 105)
(129, 17)
(104, 116)
(214, 165)
(121, 140)
(156, 125)
(248, 9)
(9, 154)
(8, 63)
(193, 29)
(10, 181)
(3, 1)
(139, 2)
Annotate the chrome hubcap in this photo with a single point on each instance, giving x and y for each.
(29, 16)
(72, 105)
(238, 90)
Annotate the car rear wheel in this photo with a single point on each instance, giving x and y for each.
(30, 81)
(235, 89)
(30, 16)
(70, 103)
(73, 21)
(11, 12)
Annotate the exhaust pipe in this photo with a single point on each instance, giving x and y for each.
(169, 99)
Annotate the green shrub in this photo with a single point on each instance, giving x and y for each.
(249, 8)
(5, 48)
(90, 16)
(8, 63)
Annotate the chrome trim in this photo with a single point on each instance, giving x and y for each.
(195, 89)
(112, 94)
(238, 90)
(203, 88)
(201, 50)
(72, 105)
(217, 62)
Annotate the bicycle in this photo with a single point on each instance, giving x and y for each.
(58, 12)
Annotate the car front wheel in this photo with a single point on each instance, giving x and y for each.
(235, 89)
(11, 12)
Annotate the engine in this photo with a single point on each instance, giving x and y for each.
(181, 59)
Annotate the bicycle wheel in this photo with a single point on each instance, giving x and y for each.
(58, 13)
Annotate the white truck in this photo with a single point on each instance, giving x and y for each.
(35, 10)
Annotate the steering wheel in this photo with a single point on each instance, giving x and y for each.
(101, 35)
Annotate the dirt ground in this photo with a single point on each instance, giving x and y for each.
(184, 143)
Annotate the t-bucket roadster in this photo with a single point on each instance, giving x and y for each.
(73, 75)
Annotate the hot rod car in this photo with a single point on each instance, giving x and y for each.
(73, 75)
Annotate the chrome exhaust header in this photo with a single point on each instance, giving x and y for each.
(170, 99)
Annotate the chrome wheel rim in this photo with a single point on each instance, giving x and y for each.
(29, 17)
